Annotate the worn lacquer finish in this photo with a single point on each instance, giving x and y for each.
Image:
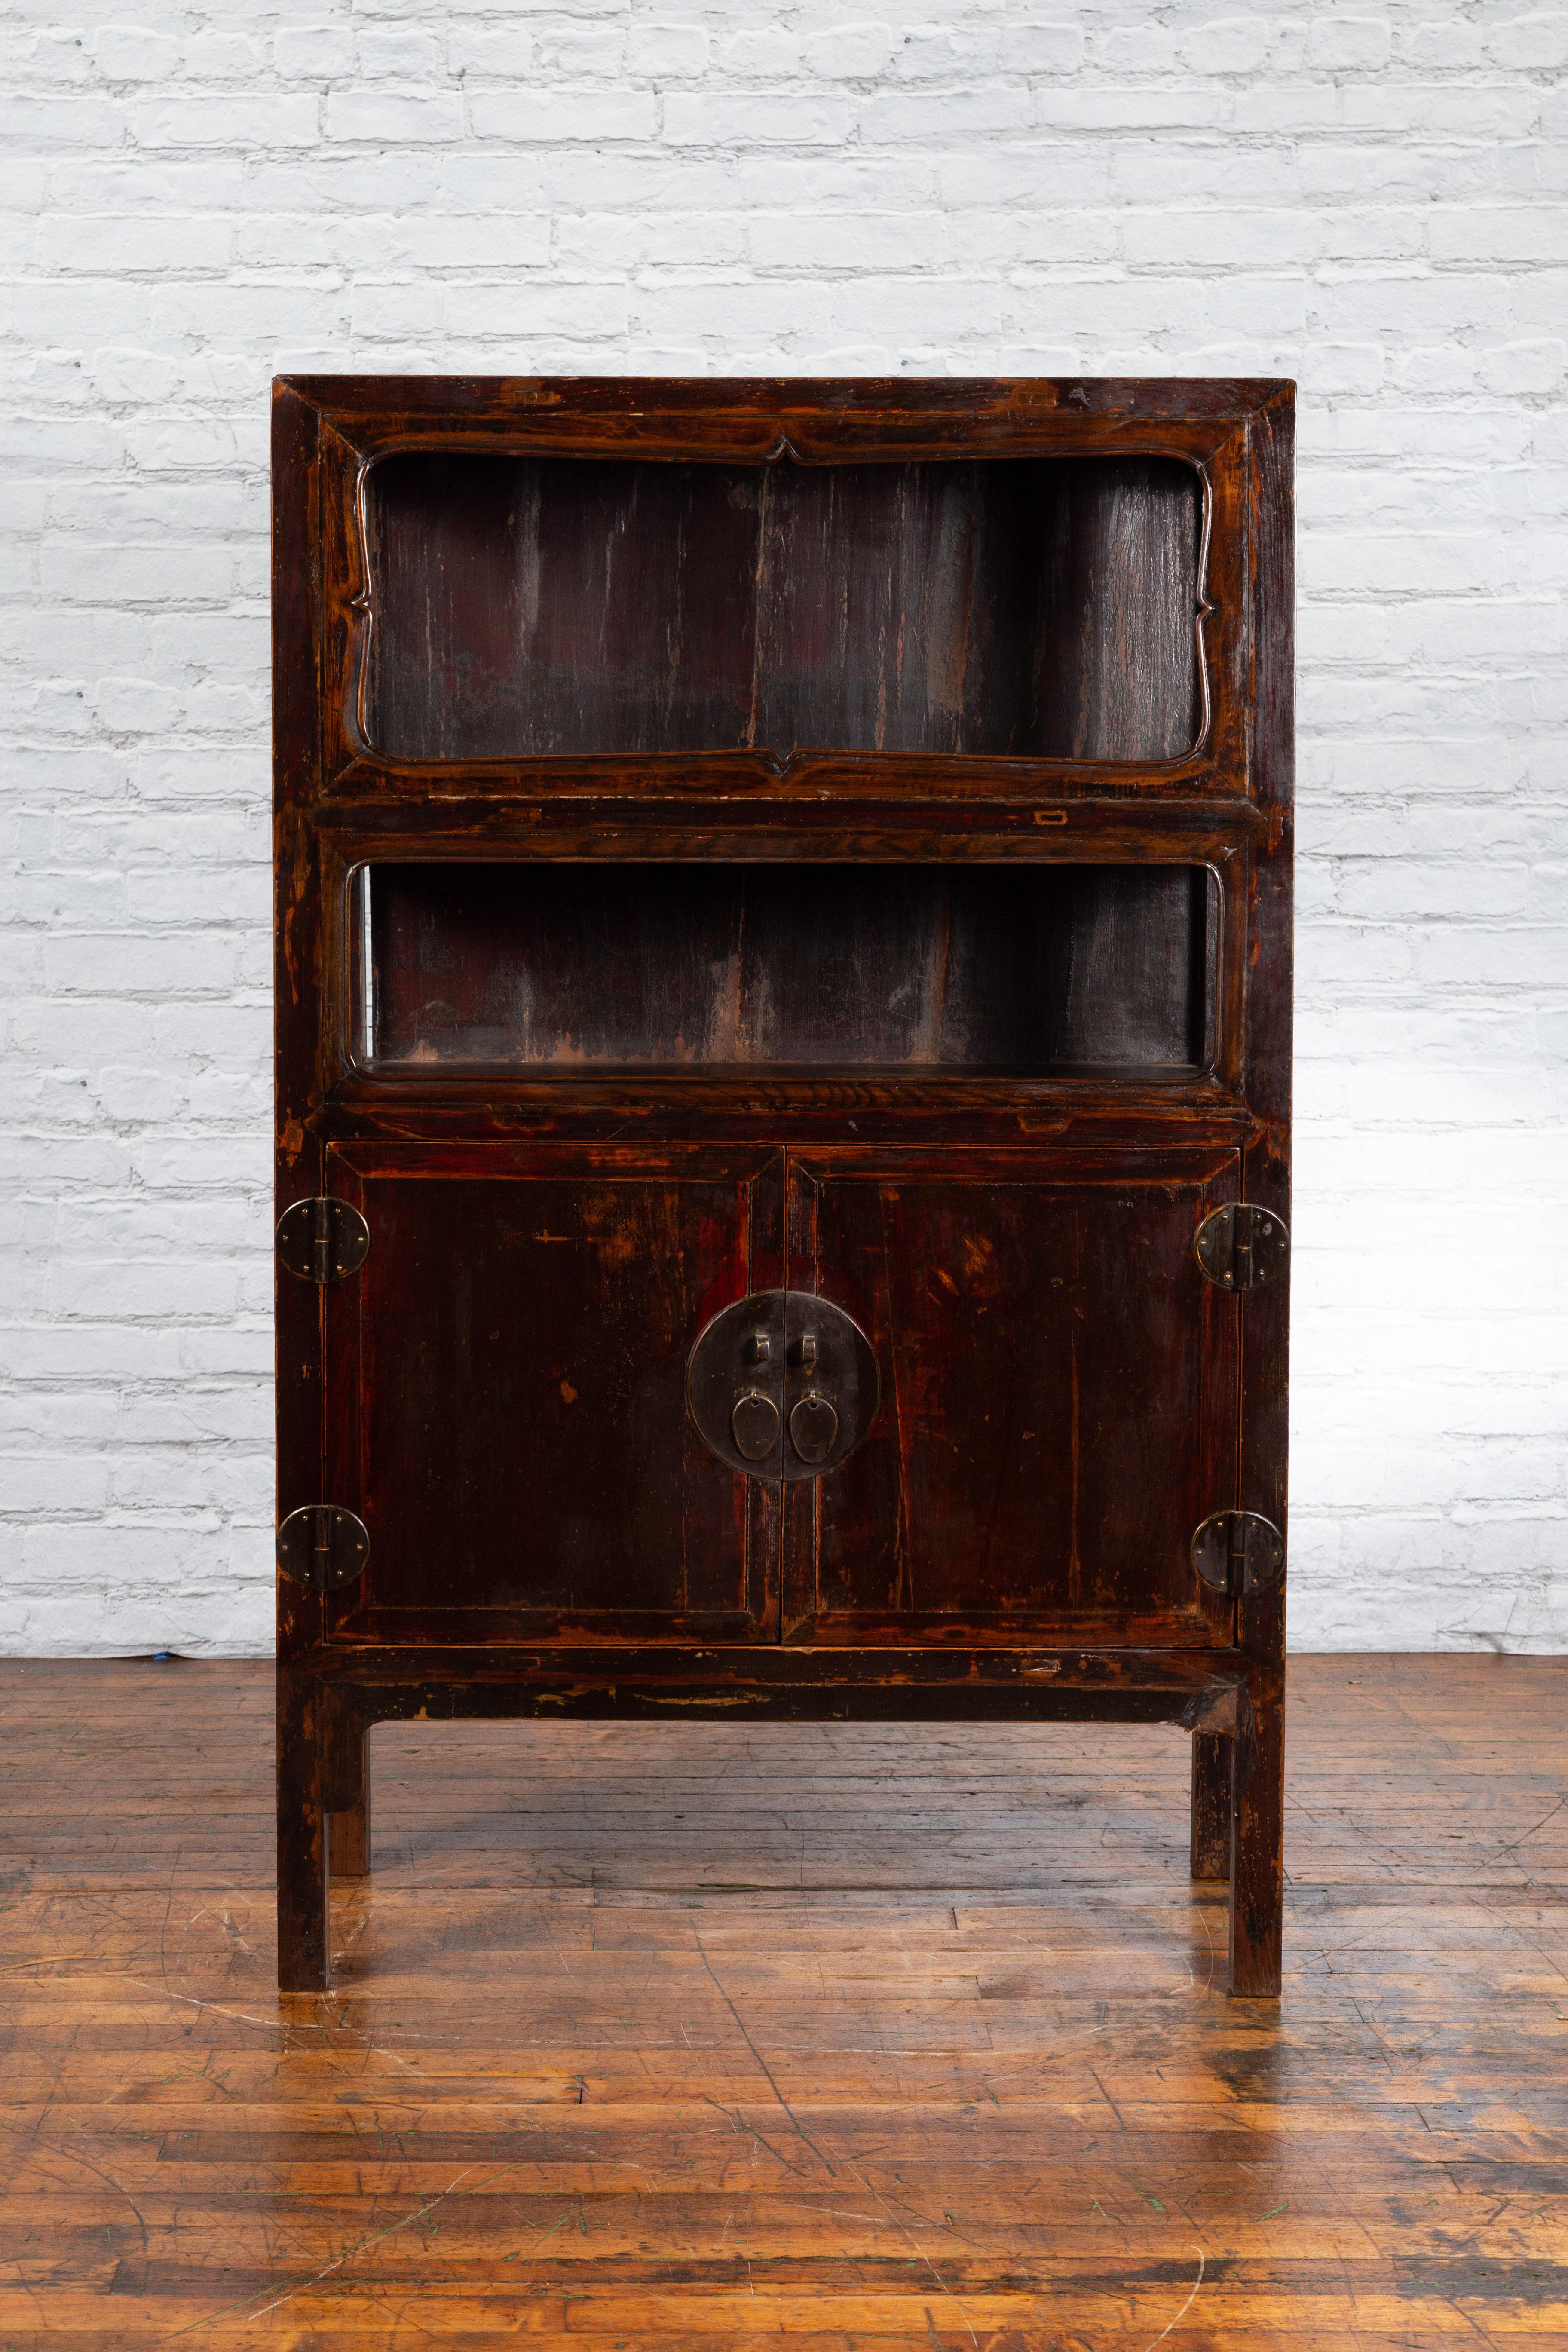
(738, 837)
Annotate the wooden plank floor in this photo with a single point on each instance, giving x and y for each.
(706, 2035)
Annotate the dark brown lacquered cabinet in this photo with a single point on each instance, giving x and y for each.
(784, 997)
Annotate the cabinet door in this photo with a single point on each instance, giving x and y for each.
(506, 1406)
(1058, 1398)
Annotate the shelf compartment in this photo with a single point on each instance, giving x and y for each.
(775, 966)
(1040, 608)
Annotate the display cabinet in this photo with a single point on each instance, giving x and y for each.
(782, 998)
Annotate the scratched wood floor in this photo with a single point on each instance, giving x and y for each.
(701, 2035)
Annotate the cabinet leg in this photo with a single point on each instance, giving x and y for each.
(1211, 1805)
(304, 1953)
(348, 1837)
(1256, 1847)
(347, 1792)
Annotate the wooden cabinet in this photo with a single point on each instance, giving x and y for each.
(784, 985)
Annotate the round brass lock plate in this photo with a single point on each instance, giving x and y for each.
(782, 1384)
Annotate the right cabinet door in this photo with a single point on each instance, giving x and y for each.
(1059, 1397)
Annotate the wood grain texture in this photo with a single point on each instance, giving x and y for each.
(591, 605)
(859, 2037)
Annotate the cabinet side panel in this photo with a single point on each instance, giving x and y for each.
(296, 965)
(1266, 1364)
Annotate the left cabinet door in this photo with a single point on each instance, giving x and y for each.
(505, 1393)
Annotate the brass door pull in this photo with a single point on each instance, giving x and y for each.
(813, 1426)
(755, 1425)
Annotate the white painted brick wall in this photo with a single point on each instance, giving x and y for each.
(1373, 199)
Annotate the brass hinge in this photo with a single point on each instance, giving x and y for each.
(323, 1239)
(322, 1546)
(1241, 1246)
(1238, 1553)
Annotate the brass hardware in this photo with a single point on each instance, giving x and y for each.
(322, 1546)
(813, 1426)
(1241, 1246)
(783, 1357)
(755, 1425)
(1238, 1553)
(323, 1239)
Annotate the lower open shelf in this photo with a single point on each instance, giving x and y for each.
(598, 967)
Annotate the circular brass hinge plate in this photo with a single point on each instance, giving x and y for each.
(1238, 1553)
(322, 1546)
(323, 1239)
(1241, 1246)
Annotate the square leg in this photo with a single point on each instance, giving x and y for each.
(347, 1794)
(1211, 1806)
(1257, 1848)
(348, 1844)
(304, 1952)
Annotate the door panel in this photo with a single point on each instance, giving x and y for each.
(506, 1392)
(1058, 1398)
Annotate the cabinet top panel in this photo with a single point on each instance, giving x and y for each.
(969, 404)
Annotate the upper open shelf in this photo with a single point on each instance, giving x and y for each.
(1039, 608)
